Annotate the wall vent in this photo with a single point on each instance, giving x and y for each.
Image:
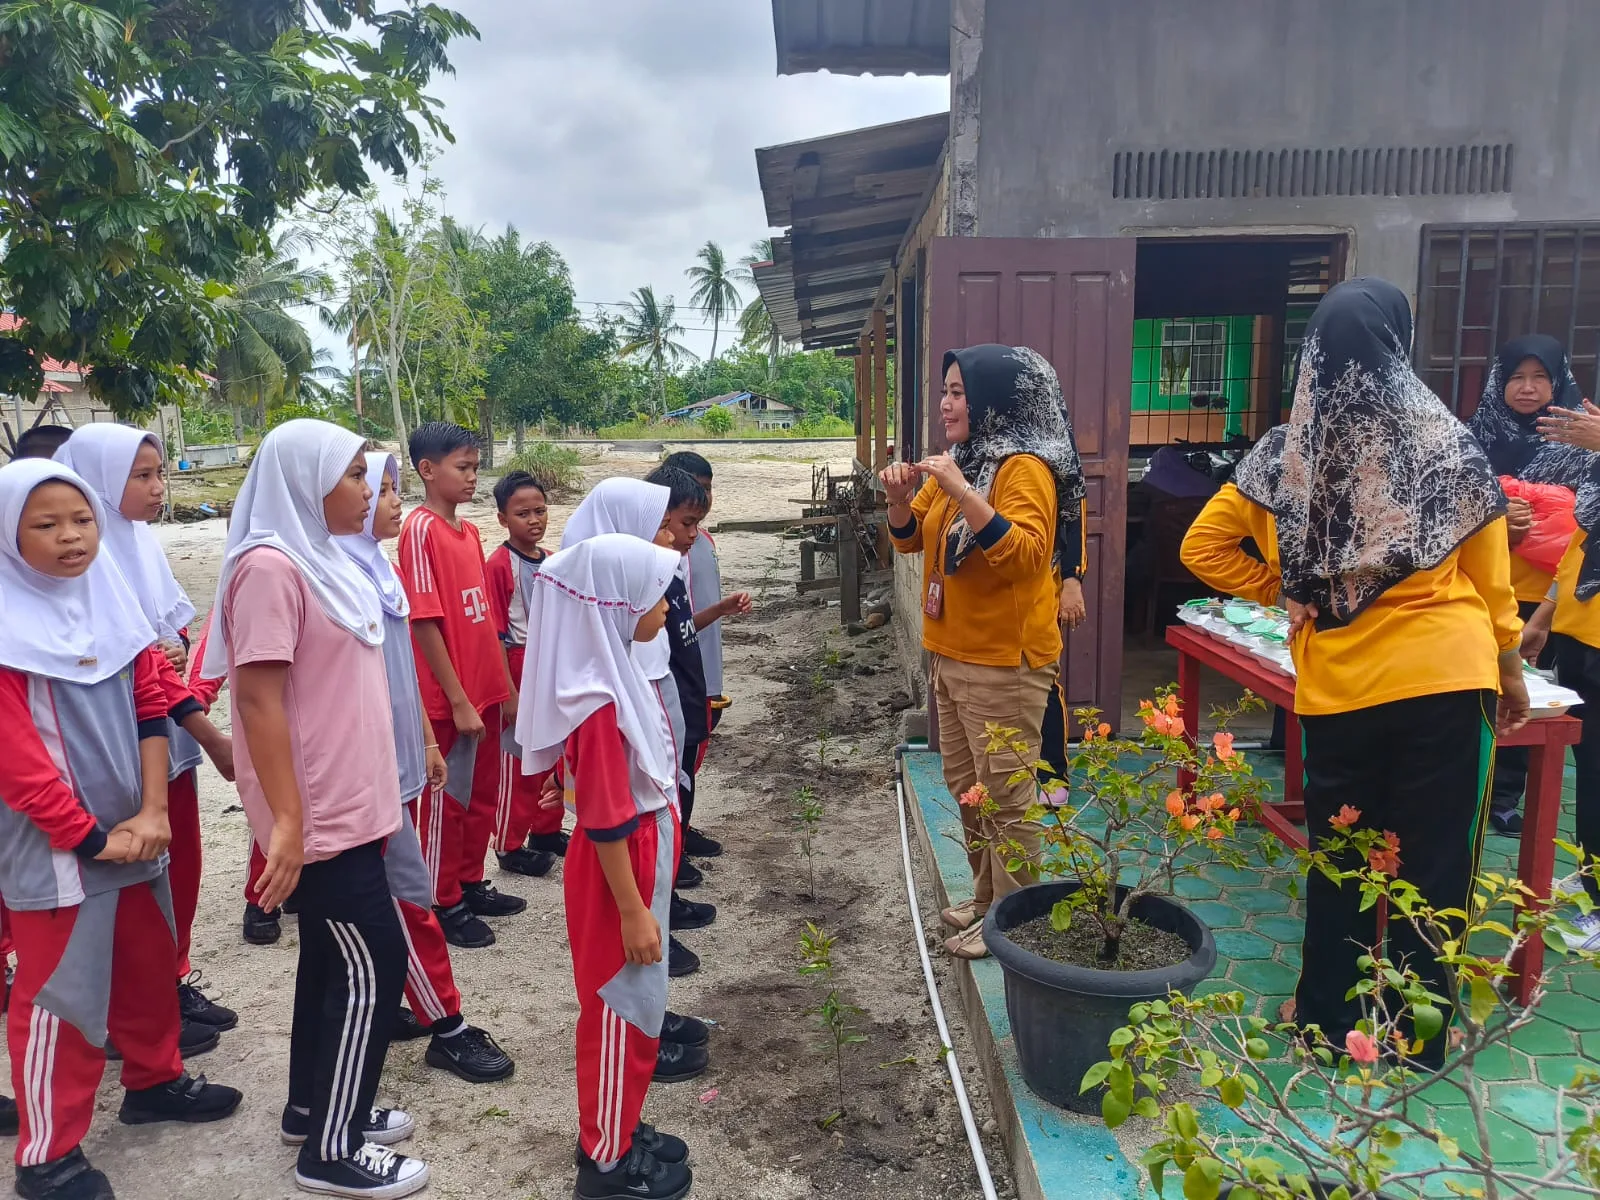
(1260, 174)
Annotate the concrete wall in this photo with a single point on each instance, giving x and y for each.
(1064, 84)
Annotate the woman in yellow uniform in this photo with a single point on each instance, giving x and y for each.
(1531, 378)
(1390, 543)
(992, 520)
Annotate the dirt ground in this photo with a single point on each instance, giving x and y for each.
(811, 707)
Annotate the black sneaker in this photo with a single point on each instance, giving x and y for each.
(189, 1099)
(686, 914)
(1508, 823)
(485, 901)
(686, 1031)
(384, 1127)
(406, 1027)
(699, 845)
(689, 875)
(194, 1005)
(463, 929)
(676, 1062)
(522, 861)
(194, 1040)
(8, 1117)
(551, 843)
(373, 1170)
(69, 1177)
(640, 1176)
(681, 960)
(471, 1055)
(261, 928)
(663, 1147)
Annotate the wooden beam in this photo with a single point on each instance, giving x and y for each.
(880, 390)
(853, 205)
(865, 284)
(849, 559)
(802, 244)
(863, 401)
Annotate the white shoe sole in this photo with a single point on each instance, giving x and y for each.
(403, 1187)
(384, 1137)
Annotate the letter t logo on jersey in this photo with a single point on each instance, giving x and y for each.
(474, 605)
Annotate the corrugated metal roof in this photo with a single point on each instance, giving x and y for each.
(862, 37)
(848, 201)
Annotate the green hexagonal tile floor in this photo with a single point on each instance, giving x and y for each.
(1257, 925)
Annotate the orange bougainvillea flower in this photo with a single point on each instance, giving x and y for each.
(1170, 706)
(1212, 803)
(1233, 814)
(1345, 817)
(1224, 744)
(1189, 820)
(975, 795)
(1385, 859)
(1214, 833)
(1104, 730)
(1168, 726)
(1175, 803)
(1361, 1048)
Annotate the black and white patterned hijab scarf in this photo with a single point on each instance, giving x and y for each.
(1014, 406)
(1373, 479)
(1515, 447)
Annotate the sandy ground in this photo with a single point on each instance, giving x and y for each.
(811, 707)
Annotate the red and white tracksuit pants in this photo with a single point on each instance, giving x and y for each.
(455, 838)
(617, 1002)
(184, 865)
(54, 1068)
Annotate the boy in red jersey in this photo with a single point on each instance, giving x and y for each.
(465, 682)
(524, 514)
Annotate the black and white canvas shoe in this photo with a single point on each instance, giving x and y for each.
(374, 1172)
(384, 1127)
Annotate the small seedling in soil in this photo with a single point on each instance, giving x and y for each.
(816, 961)
(494, 1114)
(822, 752)
(808, 811)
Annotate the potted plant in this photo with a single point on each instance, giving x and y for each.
(1103, 930)
(1310, 1120)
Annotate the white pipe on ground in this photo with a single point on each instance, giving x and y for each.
(974, 1141)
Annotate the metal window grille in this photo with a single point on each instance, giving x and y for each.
(1481, 285)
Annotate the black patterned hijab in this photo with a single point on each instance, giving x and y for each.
(1373, 479)
(1514, 446)
(1510, 439)
(1014, 406)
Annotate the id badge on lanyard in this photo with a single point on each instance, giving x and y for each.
(933, 604)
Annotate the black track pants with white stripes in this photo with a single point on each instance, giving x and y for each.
(352, 972)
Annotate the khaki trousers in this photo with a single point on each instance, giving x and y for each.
(969, 698)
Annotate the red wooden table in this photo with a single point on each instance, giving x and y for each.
(1547, 739)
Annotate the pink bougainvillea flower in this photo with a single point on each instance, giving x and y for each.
(1385, 859)
(1345, 817)
(1223, 742)
(975, 795)
(1361, 1048)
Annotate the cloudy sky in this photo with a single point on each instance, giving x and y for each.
(624, 131)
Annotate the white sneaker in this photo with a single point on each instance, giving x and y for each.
(374, 1173)
(385, 1126)
(1585, 933)
(1567, 887)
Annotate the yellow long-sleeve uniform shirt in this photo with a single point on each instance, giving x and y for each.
(1578, 619)
(1435, 631)
(999, 607)
(1528, 582)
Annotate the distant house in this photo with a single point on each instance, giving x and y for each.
(766, 411)
(64, 399)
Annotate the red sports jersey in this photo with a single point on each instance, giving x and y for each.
(598, 778)
(442, 570)
(510, 573)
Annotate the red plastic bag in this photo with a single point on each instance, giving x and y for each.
(1553, 522)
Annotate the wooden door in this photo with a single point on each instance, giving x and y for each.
(1071, 299)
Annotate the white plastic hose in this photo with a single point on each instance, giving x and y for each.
(979, 1158)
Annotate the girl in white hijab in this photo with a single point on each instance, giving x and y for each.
(590, 706)
(82, 835)
(124, 467)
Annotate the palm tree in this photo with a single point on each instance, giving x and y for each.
(266, 357)
(650, 330)
(756, 328)
(714, 293)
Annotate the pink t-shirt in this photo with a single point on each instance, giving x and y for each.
(337, 699)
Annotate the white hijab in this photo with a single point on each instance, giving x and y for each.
(78, 630)
(103, 455)
(367, 550)
(637, 508)
(280, 505)
(585, 606)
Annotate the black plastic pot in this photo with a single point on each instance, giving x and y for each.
(1063, 1015)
